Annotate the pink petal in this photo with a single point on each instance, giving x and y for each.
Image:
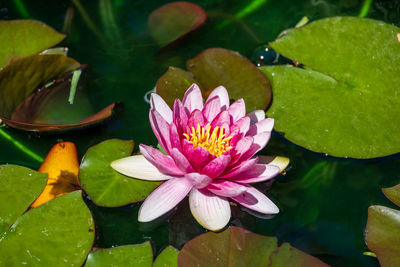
(164, 198)
(196, 117)
(241, 168)
(162, 162)
(241, 147)
(197, 156)
(138, 167)
(174, 137)
(211, 108)
(265, 125)
(260, 141)
(157, 103)
(211, 211)
(221, 92)
(193, 98)
(222, 120)
(226, 188)
(181, 161)
(256, 116)
(237, 109)
(161, 129)
(260, 173)
(241, 126)
(198, 180)
(180, 114)
(217, 166)
(255, 200)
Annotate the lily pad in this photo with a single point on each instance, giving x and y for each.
(104, 185)
(214, 67)
(129, 255)
(19, 187)
(217, 66)
(172, 21)
(393, 193)
(58, 233)
(22, 38)
(47, 109)
(61, 165)
(345, 102)
(239, 247)
(167, 258)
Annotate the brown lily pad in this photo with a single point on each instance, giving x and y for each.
(172, 21)
(22, 38)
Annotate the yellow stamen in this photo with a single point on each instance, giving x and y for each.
(214, 141)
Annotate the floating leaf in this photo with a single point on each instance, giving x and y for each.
(167, 258)
(58, 233)
(22, 38)
(19, 187)
(217, 66)
(103, 184)
(393, 193)
(62, 167)
(382, 234)
(172, 21)
(129, 255)
(47, 109)
(239, 247)
(346, 102)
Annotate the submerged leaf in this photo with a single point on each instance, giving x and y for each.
(58, 233)
(19, 187)
(346, 102)
(62, 167)
(172, 21)
(239, 247)
(140, 255)
(105, 186)
(22, 38)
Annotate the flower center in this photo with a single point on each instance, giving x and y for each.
(214, 141)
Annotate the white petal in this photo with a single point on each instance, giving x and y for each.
(211, 211)
(164, 198)
(138, 167)
(256, 116)
(193, 99)
(221, 92)
(255, 200)
(157, 103)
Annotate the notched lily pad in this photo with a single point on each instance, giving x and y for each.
(58, 233)
(104, 185)
(47, 109)
(239, 247)
(214, 67)
(172, 21)
(346, 101)
(22, 38)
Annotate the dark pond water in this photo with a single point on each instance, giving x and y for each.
(323, 200)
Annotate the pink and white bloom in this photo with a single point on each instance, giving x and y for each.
(210, 156)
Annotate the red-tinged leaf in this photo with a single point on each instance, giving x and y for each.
(172, 21)
(239, 247)
(393, 193)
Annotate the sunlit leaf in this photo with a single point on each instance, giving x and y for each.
(104, 185)
(129, 255)
(174, 20)
(167, 258)
(58, 233)
(22, 38)
(62, 167)
(216, 66)
(19, 187)
(239, 247)
(345, 102)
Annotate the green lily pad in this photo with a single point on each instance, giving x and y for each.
(393, 193)
(382, 234)
(345, 103)
(57, 233)
(239, 247)
(129, 255)
(216, 66)
(104, 185)
(172, 21)
(167, 258)
(173, 84)
(22, 38)
(19, 187)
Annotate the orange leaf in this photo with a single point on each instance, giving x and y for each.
(61, 164)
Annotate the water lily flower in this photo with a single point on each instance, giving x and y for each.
(210, 152)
